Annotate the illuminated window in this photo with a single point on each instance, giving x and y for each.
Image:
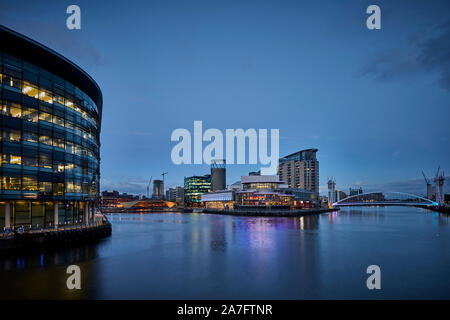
(45, 187)
(70, 187)
(15, 159)
(58, 167)
(58, 98)
(30, 114)
(69, 104)
(59, 121)
(58, 142)
(30, 90)
(69, 167)
(30, 183)
(11, 135)
(44, 116)
(45, 161)
(11, 81)
(77, 186)
(12, 109)
(11, 159)
(46, 96)
(30, 137)
(45, 140)
(58, 189)
(11, 182)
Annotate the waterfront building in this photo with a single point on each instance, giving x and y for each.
(236, 186)
(50, 127)
(302, 198)
(219, 200)
(218, 175)
(158, 190)
(355, 191)
(340, 195)
(263, 191)
(194, 187)
(113, 199)
(175, 194)
(145, 206)
(331, 192)
(300, 170)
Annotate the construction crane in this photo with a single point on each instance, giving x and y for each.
(429, 188)
(148, 187)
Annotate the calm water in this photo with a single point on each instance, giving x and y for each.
(197, 256)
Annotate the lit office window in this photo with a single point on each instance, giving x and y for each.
(11, 182)
(30, 137)
(30, 90)
(58, 99)
(11, 159)
(44, 116)
(45, 161)
(46, 96)
(45, 140)
(59, 121)
(11, 82)
(30, 114)
(58, 189)
(29, 183)
(58, 167)
(58, 142)
(45, 187)
(70, 187)
(11, 135)
(12, 109)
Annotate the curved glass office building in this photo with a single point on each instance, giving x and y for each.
(49, 137)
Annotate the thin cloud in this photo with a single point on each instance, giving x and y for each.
(423, 53)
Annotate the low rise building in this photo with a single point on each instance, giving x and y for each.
(219, 200)
(175, 195)
(263, 191)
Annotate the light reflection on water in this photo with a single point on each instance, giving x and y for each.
(189, 256)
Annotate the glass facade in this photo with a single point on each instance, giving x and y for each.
(194, 187)
(49, 143)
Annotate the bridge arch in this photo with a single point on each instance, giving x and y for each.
(379, 198)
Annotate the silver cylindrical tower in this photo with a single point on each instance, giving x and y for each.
(218, 175)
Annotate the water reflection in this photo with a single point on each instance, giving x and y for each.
(180, 256)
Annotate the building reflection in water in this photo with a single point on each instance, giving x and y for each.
(374, 214)
(42, 275)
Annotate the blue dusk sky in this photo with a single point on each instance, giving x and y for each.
(376, 103)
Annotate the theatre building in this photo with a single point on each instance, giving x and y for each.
(50, 137)
(263, 191)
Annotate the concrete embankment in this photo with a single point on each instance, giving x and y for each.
(54, 238)
(271, 213)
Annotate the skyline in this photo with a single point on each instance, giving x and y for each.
(234, 65)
